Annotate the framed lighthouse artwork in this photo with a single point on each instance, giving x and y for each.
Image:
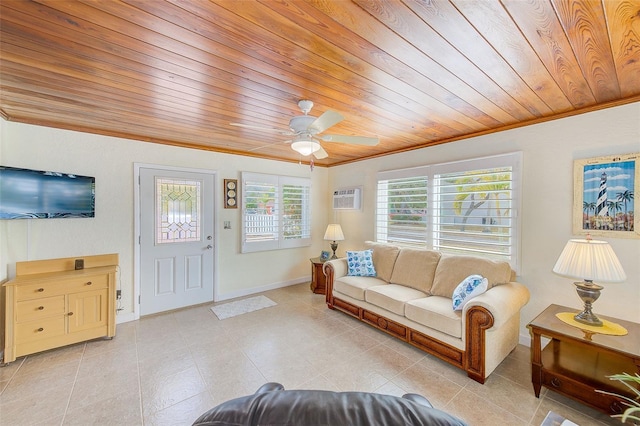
(604, 196)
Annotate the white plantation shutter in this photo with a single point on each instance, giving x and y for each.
(466, 207)
(402, 211)
(296, 212)
(276, 212)
(474, 213)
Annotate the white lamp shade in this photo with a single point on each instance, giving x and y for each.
(589, 260)
(305, 147)
(334, 232)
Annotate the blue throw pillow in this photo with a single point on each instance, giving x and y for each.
(470, 287)
(361, 263)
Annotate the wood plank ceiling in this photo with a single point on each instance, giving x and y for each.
(412, 72)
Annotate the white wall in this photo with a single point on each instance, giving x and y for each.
(111, 161)
(548, 153)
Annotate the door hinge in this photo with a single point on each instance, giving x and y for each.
(138, 299)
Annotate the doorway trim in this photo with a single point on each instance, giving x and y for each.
(136, 228)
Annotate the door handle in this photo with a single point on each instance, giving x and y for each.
(209, 247)
(209, 237)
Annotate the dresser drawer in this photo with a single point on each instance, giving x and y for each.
(30, 310)
(61, 286)
(40, 329)
(581, 391)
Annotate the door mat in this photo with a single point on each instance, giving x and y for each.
(243, 306)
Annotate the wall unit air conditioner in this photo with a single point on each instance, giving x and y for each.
(347, 199)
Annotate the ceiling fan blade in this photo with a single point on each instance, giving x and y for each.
(320, 154)
(269, 144)
(326, 120)
(356, 140)
(262, 129)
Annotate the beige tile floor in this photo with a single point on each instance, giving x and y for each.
(168, 369)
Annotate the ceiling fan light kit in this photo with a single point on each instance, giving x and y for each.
(305, 147)
(306, 128)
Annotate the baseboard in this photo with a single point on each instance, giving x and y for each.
(525, 340)
(120, 318)
(254, 290)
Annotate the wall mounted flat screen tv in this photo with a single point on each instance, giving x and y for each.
(36, 194)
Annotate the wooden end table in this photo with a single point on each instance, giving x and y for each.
(575, 363)
(318, 280)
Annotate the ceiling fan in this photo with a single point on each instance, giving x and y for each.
(306, 130)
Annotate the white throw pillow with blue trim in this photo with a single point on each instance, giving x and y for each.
(470, 287)
(360, 263)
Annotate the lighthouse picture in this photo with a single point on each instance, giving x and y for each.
(606, 199)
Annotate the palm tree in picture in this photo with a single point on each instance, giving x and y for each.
(587, 207)
(625, 197)
(615, 207)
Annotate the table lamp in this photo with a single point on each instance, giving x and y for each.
(334, 233)
(591, 260)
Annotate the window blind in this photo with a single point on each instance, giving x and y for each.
(465, 207)
(276, 212)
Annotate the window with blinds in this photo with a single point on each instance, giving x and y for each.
(276, 212)
(467, 207)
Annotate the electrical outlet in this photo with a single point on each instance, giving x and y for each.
(118, 294)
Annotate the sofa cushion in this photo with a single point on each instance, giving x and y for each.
(435, 312)
(360, 263)
(391, 297)
(452, 270)
(384, 257)
(415, 268)
(470, 287)
(355, 286)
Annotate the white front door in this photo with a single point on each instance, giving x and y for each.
(176, 239)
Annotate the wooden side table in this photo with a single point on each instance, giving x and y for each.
(576, 362)
(318, 280)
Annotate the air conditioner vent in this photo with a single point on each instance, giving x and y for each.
(347, 199)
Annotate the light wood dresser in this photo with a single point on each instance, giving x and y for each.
(50, 303)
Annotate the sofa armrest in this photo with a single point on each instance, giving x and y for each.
(502, 301)
(339, 266)
(333, 269)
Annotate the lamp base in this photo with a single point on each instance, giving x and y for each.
(589, 293)
(334, 247)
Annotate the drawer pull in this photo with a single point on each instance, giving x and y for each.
(40, 308)
(89, 283)
(40, 290)
(70, 313)
(40, 329)
(555, 382)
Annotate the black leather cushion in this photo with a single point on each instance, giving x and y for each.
(272, 405)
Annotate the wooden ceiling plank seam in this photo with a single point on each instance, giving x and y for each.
(79, 109)
(403, 17)
(423, 73)
(452, 26)
(272, 86)
(118, 83)
(179, 76)
(128, 101)
(161, 138)
(540, 25)
(436, 75)
(482, 111)
(571, 113)
(99, 102)
(284, 78)
(261, 57)
(586, 30)
(623, 25)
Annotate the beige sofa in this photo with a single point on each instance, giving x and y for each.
(411, 298)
